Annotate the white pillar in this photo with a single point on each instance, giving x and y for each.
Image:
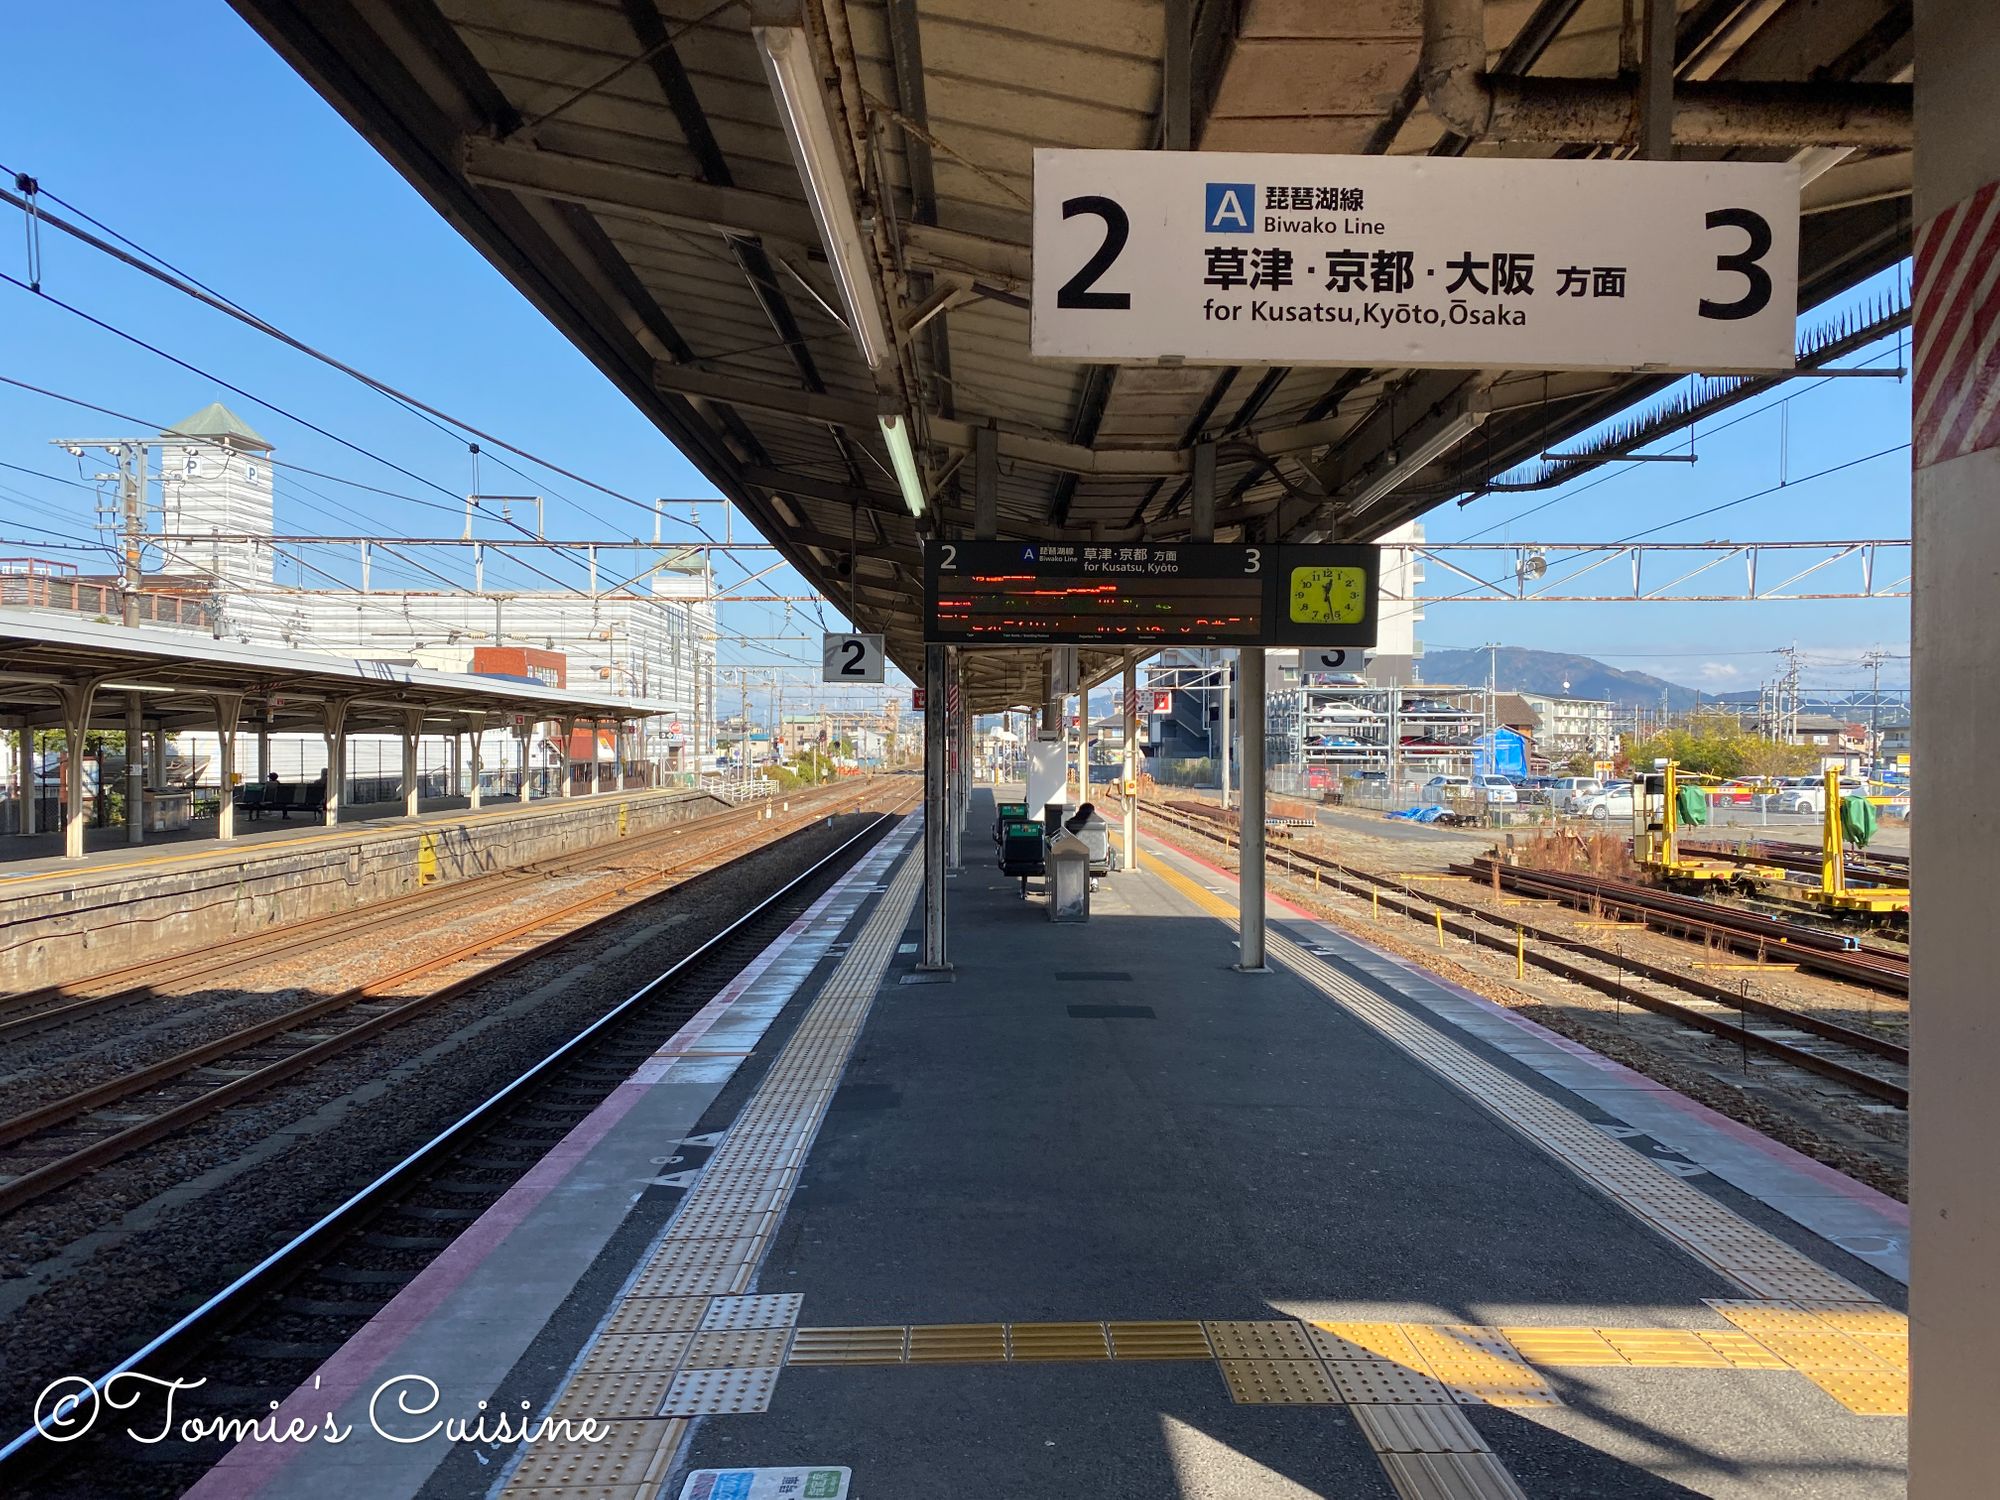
(413, 728)
(522, 791)
(455, 766)
(618, 755)
(228, 714)
(264, 766)
(135, 769)
(335, 735)
(1131, 779)
(568, 728)
(1955, 1043)
(476, 738)
(76, 701)
(1250, 845)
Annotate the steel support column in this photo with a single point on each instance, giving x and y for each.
(228, 718)
(76, 702)
(935, 799)
(413, 729)
(30, 784)
(523, 792)
(135, 769)
(1228, 728)
(476, 741)
(1955, 1043)
(1250, 878)
(567, 728)
(1131, 777)
(335, 734)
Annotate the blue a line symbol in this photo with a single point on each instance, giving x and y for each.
(1027, 554)
(1229, 208)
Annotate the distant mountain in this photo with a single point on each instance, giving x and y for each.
(1517, 669)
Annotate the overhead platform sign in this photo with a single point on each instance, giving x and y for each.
(1219, 258)
(1148, 594)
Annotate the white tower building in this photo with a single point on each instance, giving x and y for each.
(215, 480)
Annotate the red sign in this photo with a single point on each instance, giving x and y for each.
(916, 700)
(1163, 703)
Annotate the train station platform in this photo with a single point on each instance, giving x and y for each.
(1097, 1214)
(60, 918)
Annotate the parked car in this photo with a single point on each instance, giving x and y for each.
(1428, 707)
(1536, 789)
(1344, 712)
(1499, 790)
(1602, 807)
(1811, 796)
(1566, 791)
(1441, 790)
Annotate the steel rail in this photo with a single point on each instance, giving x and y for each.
(133, 983)
(1428, 906)
(87, 1158)
(1747, 932)
(309, 1246)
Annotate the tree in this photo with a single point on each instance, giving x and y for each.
(1717, 744)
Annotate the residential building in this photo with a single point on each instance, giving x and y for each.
(1572, 726)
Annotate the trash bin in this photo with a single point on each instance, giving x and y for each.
(1068, 879)
(1088, 824)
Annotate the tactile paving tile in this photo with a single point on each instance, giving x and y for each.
(703, 1393)
(614, 1393)
(635, 1351)
(1167, 1340)
(1741, 1350)
(622, 1453)
(1263, 1339)
(1382, 1382)
(1057, 1341)
(1365, 1341)
(1279, 1382)
(1450, 1476)
(1555, 1348)
(1418, 1429)
(1870, 1318)
(1668, 1348)
(689, 1282)
(958, 1343)
(657, 1315)
(737, 1348)
(1892, 1349)
(848, 1346)
(1479, 1366)
(1866, 1393)
(766, 1310)
(1826, 1350)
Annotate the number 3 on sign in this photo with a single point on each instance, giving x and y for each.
(851, 658)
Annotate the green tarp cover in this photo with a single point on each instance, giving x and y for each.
(1690, 806)
(1857, 821)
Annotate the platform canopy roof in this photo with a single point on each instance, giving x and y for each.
(178, 673)
(625, 164)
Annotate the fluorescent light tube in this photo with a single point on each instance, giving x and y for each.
(794, 80)
(903, 459)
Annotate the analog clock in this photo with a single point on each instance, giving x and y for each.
(1328, 596)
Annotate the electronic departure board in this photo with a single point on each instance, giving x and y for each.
(1150, 594)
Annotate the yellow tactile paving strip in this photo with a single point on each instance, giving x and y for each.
(1414, 1364)
(1759, 1262)
(684, 1339)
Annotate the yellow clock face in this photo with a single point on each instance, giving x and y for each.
(1328, 596)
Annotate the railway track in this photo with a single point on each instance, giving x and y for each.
(1844, 1054)
(1834, 954)
(57, 1143)
(1876, 869)
(271, 1326)
(30, 1012)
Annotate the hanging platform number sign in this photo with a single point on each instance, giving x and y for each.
(850, 658)
(1220, 258)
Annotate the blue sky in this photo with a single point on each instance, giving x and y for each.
(176, 126)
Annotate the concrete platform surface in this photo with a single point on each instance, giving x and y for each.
(1098, 1214)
